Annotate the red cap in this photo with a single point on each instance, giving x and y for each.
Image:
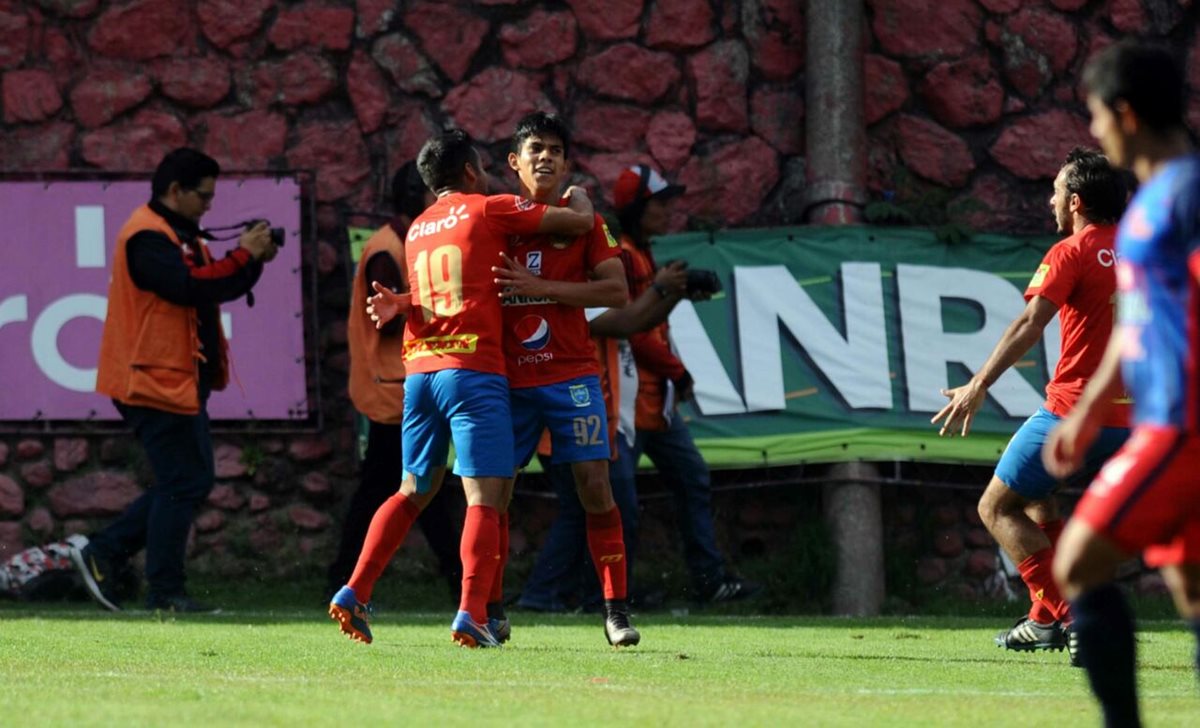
(641, 182)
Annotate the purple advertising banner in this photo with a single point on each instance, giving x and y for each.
(57, 240)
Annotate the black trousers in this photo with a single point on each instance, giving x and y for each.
(179, 448)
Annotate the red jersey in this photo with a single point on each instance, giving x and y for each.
(546, 342)
(455, 320)
(1079, 276)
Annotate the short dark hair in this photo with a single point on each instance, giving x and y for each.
(1099, 185)
(541, 123)
(443, 157)
(1147, 77)
(408, 190)
(186, 166)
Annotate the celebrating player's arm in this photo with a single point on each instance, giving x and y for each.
(1018, 338)
(385, 275)
(576, 217)
(607, 286)
(1068, 443)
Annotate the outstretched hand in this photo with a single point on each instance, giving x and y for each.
(386, 305)
(515, 279)
(965, 402)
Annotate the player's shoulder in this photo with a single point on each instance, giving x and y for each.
(507, 202)
(601, 231)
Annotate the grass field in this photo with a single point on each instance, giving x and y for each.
(72, 665)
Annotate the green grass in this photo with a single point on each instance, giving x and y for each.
(71, 665)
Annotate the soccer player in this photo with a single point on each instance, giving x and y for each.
(564, 563)
(456, 385)
(551, 359)
(1077, 281)
(377, 391)
(1146, 499)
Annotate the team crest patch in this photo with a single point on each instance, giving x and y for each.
(612, 242)
(1040, 276)
(580, 396)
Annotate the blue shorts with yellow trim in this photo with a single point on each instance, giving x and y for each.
(574, 413)
(470, 407)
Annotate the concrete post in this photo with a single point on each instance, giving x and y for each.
(834, 127)
(837, 164)
(854, 516)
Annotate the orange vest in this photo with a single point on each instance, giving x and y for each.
(376, 361)
(150, 348)
(652, 389)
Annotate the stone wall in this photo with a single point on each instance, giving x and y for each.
(976, 98)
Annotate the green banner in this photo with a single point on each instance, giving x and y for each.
(831, 344)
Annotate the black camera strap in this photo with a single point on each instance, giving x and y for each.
(237, 228)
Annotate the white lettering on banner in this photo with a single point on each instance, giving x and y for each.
(855, 364)
(44, 341)
(715, 393)
(1052, 343)
(14, 309)
(89, 236)
(928, 348)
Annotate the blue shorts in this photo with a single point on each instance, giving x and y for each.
(473, 408)
(1021, 468)
(574, 413)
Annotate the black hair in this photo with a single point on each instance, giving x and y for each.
(541, 123)
(1099, 185)
(443, 157)
(186, 166)
(408, 191)
(1147, 77)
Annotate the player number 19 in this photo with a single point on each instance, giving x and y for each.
(439, 281)
(587, 430)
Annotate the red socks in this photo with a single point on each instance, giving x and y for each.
(1048, 604)
(480, 553)
(607, 544)
(497, 594)
(389, 526)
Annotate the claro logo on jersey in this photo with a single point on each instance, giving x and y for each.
(421, 228)
(534, 334)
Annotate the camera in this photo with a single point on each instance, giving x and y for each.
(278, 235)
(700, 280)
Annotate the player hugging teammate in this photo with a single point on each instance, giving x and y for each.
(458, 368)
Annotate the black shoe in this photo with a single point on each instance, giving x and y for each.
(179, 603)
(99, 576)
(617, 629)
(731, 589)
(1028, 635)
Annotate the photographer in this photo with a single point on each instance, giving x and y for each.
(642, 197)
(161, 354)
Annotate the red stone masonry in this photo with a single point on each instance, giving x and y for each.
(978, 96)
